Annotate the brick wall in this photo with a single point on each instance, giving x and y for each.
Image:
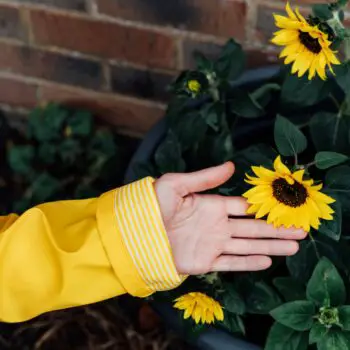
(117, 56)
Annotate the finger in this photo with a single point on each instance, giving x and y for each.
(241, 263)
(236, 206)
(250, 228)
(237, 246)
(203, 180)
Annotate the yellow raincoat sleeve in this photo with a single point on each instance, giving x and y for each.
(64, 254)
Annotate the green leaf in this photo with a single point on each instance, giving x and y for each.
(45, 124)
(322, 11)
(44, 187)
(334, 340)
(298, 315)
(325, 160)
(203, 63)
(317, 333)
(342, 76)
(333, 228)
(344, 317)
(168, 156)
(265, 93)
(281, 337)
(233, 302)
(302, 265)
(261, 299)
(330, 133)
(47, 152)
(233, 323)
(20, 159)
(231, 62)
(337, 182)
(222, 148)
(185, 126)
(103, 143)
(80, 123)
(244, 105)
(290, 288)
(301, 92)
(70, 150)
(326, 286)
(288, 138)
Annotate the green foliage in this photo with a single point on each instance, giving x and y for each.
(230, 64)
(325, 286)
(297, 315)
(282, 337)
(325, 160)
(290, 141)
(63, 155)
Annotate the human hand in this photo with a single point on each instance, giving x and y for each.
(203, 232)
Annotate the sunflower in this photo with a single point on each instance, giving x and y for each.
(200, 307)
(286, 198)
(194, 86)
(305, 43)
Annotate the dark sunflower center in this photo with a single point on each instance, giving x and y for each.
(309, 42)
(291, 195)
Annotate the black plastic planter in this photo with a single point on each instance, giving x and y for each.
(211, 339)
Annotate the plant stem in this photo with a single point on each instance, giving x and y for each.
(314, 244)
(303, 125)
(332, 97)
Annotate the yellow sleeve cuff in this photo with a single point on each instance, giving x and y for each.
(133, 233)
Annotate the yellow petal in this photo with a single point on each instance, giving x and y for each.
(188, 311)
(266, 207)
(253, 209)
(256, 190)
(263, 172)
(321, 197)
(290, 12)
(197, 314)
(312, 70)
(300, 16)
(285, 36)
(298, 175)
(280, 167)
(219, 314)
(285, 22)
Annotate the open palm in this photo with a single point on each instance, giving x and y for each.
(207, 232)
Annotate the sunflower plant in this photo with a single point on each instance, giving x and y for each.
(289, 137)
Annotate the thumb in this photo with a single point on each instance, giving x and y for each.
(204, 180)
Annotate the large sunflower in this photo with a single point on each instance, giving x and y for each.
(306, 45)
(286, 198)
(200, 307)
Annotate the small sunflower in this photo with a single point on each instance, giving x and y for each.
(305, 43)
(194, 86)
(200, 307)
(286, 198)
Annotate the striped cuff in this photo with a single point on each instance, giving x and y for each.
(140, 223)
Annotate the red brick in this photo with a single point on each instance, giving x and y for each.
(30, 62)
(218, 17)
(10, 23)
(133, 116)
(16, 93)
(79, 5)
(261, 58)
(103, 39)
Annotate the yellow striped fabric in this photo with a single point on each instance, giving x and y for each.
(140, 223)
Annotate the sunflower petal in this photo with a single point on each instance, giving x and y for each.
(280, 167)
